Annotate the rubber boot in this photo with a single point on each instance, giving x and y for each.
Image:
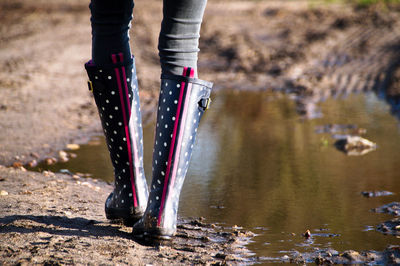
(182, 103)
(115, 90)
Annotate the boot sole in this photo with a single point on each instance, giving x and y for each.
(127, 219)
(152, 240)
(152, 236)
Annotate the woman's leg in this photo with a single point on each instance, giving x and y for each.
(182, 102)
(110, 22)
(179, 37)
(112, 79)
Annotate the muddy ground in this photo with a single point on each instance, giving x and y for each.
(57, 219)
(310, 50)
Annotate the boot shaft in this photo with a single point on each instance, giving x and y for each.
(182, 103)
(115, 90)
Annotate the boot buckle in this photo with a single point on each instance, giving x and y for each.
(90, 85)
(205, 103)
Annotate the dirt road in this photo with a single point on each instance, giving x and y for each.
(313, 51)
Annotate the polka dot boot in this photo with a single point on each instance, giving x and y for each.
(182, 102)
(115, 91)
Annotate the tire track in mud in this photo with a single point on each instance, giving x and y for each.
(351, 74)
(362, 59)
(315, 53)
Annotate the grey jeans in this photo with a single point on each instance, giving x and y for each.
(178, 40)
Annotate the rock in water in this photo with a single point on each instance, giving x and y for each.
(307, 234)
(354, 145)
(392, 208)
(372, 194)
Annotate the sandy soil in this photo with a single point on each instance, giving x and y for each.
(312, 51)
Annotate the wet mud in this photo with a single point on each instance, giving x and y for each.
(310, 52)
(389, 256)
(390, 227)
(391, 208)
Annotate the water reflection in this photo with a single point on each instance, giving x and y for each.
(269, 169)
(385, 85)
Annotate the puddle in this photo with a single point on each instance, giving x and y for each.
(258, 165)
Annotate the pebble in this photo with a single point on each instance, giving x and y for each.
(35, 155)
(72, 146)
(319, 260)
(63, 156)
(83, 174)
(307, 234)
(87, 184)
(44, 235)
(66, 172)
(220, 256)
(3, 193)
(50, 161)
(352, 255)
(17, 164)
(354, 145)
(48, 173)
(32, 163)
(205, 238)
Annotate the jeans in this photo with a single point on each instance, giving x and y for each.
(178, 40)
